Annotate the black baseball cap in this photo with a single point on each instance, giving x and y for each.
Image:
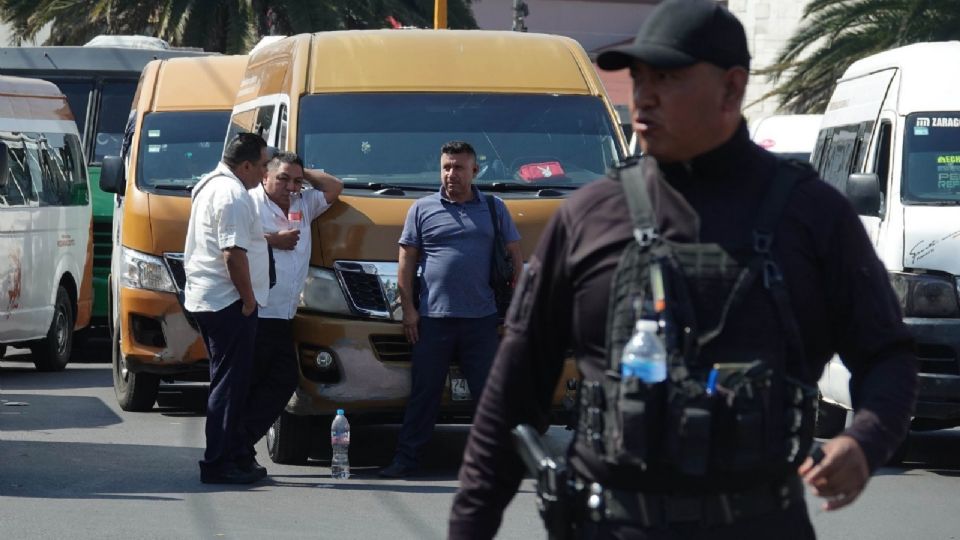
(680, 33)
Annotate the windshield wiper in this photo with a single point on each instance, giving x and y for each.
(377, 186)
(174, 187)
(515, 186)
(936, 203)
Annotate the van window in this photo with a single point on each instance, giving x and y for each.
(178, 148)
(931, 172)
(64, 181)
(881, 164)
(264, 122)
(282, 129)
(241, 122)
(838, 158)
(397, 137)
(116, 99)
(18, 188)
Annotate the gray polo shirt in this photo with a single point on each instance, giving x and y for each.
(455, 243)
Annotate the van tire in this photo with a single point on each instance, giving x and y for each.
(831, 419)
(288, 439)
(52, 353)
(136, 392)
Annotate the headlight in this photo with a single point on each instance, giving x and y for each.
(142, 271)
(322, 292)
(926, 295)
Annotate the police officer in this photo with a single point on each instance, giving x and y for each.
(707, 183)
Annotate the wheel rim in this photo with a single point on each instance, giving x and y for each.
(121, 365)
(271, 438)
(61, 332)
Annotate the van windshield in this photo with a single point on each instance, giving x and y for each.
(534, 141)
(932, 158)
(177, 148)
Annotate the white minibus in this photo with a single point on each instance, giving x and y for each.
(46, 289)
(890, 140)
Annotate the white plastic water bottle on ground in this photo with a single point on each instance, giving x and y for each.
(340, 441)
(644, 356)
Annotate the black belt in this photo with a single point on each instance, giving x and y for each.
(654, 510)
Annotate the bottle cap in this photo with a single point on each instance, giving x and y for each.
(339, 412)
(647, 325)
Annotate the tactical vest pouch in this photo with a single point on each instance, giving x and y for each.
(743, 393)
(688, 437)
(639, 406)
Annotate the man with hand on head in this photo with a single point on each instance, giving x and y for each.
(286, 212)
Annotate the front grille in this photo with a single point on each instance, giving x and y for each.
(391, 348)
(175, 264)
(102, 243)
(937, 359)
(364, 290)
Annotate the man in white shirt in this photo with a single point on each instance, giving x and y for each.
(227, 267)
(286, 212)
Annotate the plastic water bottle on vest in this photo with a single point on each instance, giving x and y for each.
(643, 356)
(340, 441)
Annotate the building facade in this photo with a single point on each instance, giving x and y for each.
(769, 25)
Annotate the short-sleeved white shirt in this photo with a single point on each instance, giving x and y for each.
(222, 216)
(291, 265)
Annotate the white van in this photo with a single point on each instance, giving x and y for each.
(789, 135)
(890, 140)
(46, 282)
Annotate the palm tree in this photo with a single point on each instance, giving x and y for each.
(835, 33)
(229, 26)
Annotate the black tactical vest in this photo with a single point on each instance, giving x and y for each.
(738, 402)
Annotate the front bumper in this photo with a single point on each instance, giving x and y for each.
(155, 336)
(372, 370)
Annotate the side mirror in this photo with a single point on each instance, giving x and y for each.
(4, 165)
(112, 179)
(863, 190)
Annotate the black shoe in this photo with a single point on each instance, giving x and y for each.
(252, 466)
(396, 470)
(230, 476)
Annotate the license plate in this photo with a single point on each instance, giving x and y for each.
(459, 391)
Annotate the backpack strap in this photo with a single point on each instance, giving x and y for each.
(630, 174)
(789, 173)
(491, 204)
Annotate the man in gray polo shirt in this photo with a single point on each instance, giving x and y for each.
(449, 237)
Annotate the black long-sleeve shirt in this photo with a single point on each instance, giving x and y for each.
(839, 290)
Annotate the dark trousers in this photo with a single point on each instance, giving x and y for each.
(792, 523)
(275, 377)
(229, 337)
(472, 342)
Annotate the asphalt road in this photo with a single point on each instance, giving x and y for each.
(73, 465)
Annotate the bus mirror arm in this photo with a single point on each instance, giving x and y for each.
(112, 179)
